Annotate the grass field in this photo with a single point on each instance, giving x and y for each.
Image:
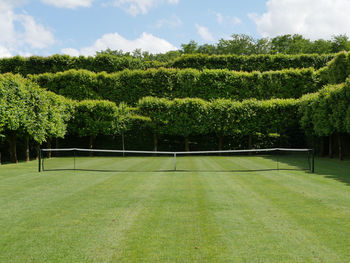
(205, 214)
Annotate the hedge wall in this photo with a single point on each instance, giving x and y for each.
(130, 86)
(108, 63)
(190, 117)
(59, 63)
(251, 63)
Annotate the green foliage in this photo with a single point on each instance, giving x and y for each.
(58, 63)
(27, 109)
(92, 118)
(326, 111)
(130, 86)
(185, 117)
(251, 63)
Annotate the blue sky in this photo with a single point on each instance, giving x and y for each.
(82, 27)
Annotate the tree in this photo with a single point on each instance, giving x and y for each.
(225, 117)
(240, 44)
(187, 117)
(13, 94)
(190, 48)
(340, 43)
(93, 118)
(290, 44)
(154, 109)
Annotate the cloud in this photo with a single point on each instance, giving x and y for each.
(314, 20)
(136, 7)
(4, 52)
(172, 21)
(204, 33)
(71, 51)
(21, 31)
(114, 41)
(71, 4)
(35, 35)
(227, 20)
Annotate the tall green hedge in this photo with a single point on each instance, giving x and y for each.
(109, 63)
(188, 117)
(337, 70)
(326, 111)
(130, 86)
(251, 63)
(59, 63)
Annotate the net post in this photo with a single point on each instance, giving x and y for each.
(174, 161)
(313, 161)
(39, 161)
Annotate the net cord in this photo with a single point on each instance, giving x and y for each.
(178, 153)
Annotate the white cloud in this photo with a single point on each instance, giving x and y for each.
(173, 21)
(114, 41)
(204, 33)
(71, 4)
(136, 7)
(35, 35)
(71, 51)
(4, 52)
(227, 20)
(314, 20)
(20, 31)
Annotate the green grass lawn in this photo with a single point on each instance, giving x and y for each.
(205, 213)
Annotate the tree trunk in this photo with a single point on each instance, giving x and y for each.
(322, 146)
(187, 144)
(221, 139)
(330, 150)
(340, 148)
(91, 144)
(250, 141)
(49, 146)
(155, 142)
(57, 147)
(13, 149)
(37, 147)
(27, 149)
(0, 158)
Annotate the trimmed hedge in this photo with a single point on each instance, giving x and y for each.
(184, 117)
(251, 63)
(327, 111)
(337, 70)
(130, 86)
(109, 63)
(59, 63)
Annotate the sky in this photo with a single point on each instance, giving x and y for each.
(83, 27)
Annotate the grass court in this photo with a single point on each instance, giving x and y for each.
(204, 213)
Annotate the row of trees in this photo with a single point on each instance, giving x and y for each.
(39, 115)
(327, 113)
(30, 112)
(242, 44)
(190, 117)
(130, 86)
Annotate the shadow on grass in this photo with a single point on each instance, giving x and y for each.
(324, 166)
